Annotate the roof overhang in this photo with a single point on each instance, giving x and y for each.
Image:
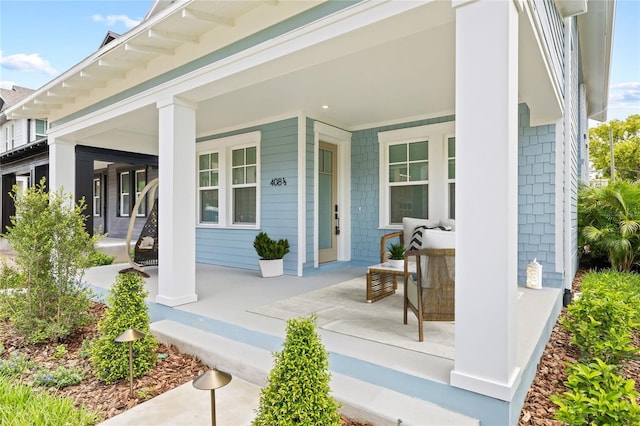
(570, 8)
(24, 151)
(596, 40)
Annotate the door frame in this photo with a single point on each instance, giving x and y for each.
(342, 139)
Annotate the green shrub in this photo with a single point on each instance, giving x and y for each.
(597, 396)
(127, 309)
(60, 377)
(297, 391)
(49, 239)
(15, 366)
(601, 324)
(98, 258)
(609, 222)
(20, 405)
(11, 281)
(269, 249)
(625, 283)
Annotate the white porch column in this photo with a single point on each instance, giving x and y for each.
(62, 165)
(176, 197)
(486, 199)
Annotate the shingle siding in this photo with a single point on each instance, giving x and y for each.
(536, 199)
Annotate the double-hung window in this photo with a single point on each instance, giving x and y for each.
(451, 177)
(228, 176)
(125, 193)
(417, 173)
(408, 180)
(131, 184)
(208, 179)
(41, 128)
(97, 197)
(141, 182)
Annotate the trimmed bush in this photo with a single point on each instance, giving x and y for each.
(269, 249)
(127, 309)
(297, 391)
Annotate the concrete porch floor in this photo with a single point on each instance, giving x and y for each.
(375, 382)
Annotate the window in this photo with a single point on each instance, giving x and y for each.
(141, 182)
(12, 142)
(408, 180)
(417, 173)
(41, 128)
(208, 169)
(451, 176)
(228, 176)
(244, 185)
(97, 197)
(125, 188)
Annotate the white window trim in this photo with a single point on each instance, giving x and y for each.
(224, 147)
(446, 176)
(437, 135)
(121, 193)
(135, 185)
(97, 197)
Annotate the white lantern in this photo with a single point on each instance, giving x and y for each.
(534, 275)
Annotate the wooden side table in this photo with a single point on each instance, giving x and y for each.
(382, 280)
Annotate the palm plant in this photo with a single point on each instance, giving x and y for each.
(610, 221)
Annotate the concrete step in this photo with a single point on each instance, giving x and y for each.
(360, 400)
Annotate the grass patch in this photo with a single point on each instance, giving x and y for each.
(21, 405)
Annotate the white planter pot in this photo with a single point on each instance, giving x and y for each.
(396, 263)
(271, 268)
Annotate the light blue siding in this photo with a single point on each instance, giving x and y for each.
(278, 203)
(365, 235)
(537, 199)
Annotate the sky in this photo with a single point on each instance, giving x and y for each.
(41, 39)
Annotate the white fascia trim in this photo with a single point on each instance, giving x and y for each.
(559, 197)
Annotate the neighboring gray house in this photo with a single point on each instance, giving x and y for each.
(299, 118)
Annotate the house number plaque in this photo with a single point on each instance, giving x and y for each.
(279, 181)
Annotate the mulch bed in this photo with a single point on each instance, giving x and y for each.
(109, 400)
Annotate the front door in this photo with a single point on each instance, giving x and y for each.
(328, 219)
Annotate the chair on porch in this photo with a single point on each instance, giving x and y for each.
(430, 292)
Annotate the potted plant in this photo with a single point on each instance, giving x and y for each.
(396, 255)
(271, 253)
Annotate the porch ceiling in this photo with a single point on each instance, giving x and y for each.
(401, 68)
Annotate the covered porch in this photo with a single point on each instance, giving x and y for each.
(370, 375)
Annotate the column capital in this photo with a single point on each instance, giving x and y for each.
(174, 100)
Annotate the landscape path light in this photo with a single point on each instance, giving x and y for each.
(212, 380)
(130, 335)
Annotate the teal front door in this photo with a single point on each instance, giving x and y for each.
(327, 200)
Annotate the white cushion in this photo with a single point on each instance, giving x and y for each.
(437, 238)
(410, 223)
(451, 223)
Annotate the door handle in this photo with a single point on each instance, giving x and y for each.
(335, 209)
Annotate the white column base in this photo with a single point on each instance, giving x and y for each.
(483, 386)
(175, 301)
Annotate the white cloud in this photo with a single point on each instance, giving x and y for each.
(4, 84)
(25, 62)
(111, 20)
(625, 95)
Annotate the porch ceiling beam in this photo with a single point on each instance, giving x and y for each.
(67, 96)
(207, 17)
(143, 48)
(173, 36)
(113, 66)
(93, 77)
(51, 100)
(39, 108)
(74, 90)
